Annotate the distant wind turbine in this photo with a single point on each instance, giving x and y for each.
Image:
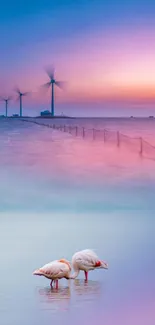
(20, 98)
(52, 83)
(6, 99)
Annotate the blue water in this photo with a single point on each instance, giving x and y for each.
(58, 195)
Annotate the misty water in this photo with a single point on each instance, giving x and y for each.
(60, 194)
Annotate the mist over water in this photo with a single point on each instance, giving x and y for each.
(59, 194)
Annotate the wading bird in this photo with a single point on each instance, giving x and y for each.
(55, 271)
(86, 260)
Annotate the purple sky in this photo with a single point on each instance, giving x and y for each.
(104, 51)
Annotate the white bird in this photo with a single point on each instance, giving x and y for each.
(55, 271)
(86, 260)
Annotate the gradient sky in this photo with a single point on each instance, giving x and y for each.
(104, 50)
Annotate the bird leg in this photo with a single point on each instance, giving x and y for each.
(51, 284)
(56, 281)
(86, 276)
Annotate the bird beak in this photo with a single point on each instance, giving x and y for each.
(34, 273)
(37, 272)
(104, 265)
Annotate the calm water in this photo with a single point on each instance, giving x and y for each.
(58, 195)
(133, 127)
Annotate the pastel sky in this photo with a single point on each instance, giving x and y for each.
(105, 50)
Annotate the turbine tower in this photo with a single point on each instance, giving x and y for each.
(52, 83)
(6, 99)
(20, 99)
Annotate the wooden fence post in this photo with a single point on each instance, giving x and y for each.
(83, 132)
(141, 146)
(93, 134)
(118, 139)
(104, 135)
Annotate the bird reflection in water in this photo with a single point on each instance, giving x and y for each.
(55, 299)
(60, 299)
(85, 289)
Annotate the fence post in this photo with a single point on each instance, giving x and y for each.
(93, 134)
(104, 135)
(141, 146)
(64, 128)
(118, 139)
(76, 131)
(83, 133)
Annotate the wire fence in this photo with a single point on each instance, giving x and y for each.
(136, 144)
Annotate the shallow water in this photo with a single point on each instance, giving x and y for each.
(133, 127)
(59, 194)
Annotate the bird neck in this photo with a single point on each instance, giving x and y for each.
(65, 262)
(75, 274)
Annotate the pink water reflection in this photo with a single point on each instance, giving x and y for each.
(46, 152)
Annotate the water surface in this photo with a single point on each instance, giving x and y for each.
(58, 195)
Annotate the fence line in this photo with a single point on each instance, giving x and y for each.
(144, 148)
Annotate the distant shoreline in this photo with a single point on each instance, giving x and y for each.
(80, 117)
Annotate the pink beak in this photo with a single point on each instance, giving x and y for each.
(104, 265)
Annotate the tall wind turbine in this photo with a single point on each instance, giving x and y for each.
(20, 98)
(51, 84)
(6, 99)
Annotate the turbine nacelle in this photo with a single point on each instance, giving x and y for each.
(5, 99)
(20, 95)
(53, 82)
(17, 90)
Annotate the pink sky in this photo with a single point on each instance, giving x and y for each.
(114, 66)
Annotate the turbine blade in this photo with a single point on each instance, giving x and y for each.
(5, 98)
(60, 84)
(26, 93)
(9, 98)
(50, 71)
(17, 90)
(47, 85)
(17, 99)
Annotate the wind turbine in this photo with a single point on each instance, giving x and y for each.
(52, 83)
(17, 90)
(6, 99)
